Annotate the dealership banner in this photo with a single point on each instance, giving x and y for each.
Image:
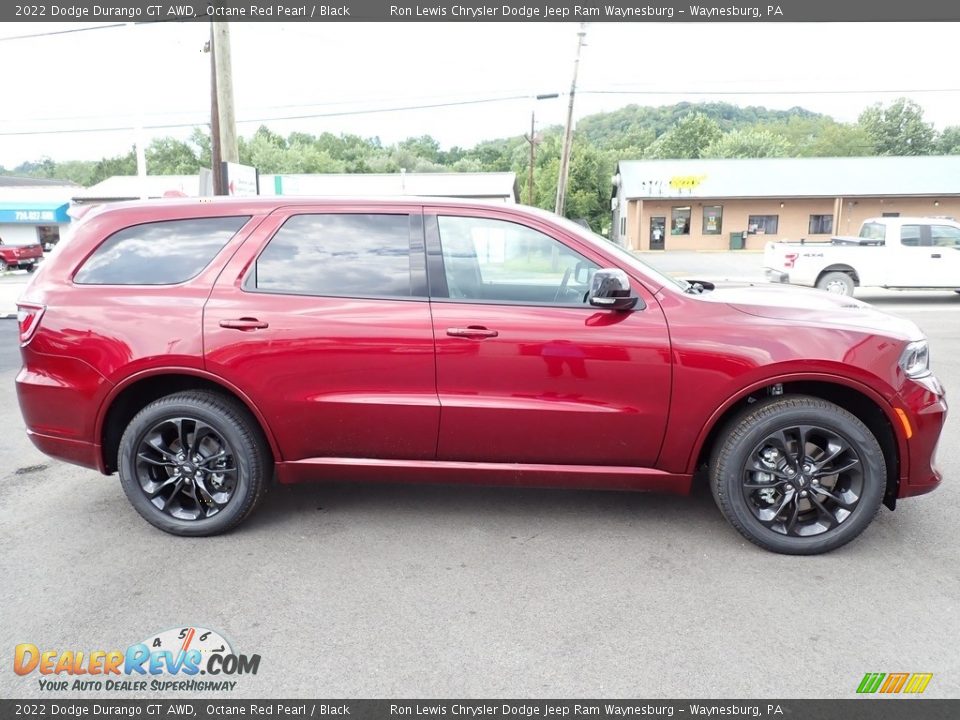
(489, 11)
(208, 709)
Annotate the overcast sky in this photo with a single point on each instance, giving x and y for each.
(100, 78)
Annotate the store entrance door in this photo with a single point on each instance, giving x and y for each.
(658, 226)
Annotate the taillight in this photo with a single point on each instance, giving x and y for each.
(789, 259)
(28, 315)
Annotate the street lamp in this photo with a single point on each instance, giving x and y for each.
(532, 139)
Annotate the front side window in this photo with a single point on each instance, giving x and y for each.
(763, 224)
(821, 224)
(499, 261)
(345, 255)
(158, 253)
(712, 219)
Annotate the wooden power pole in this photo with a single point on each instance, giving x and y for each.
(224, 93)
(215, 175)
(568, 131)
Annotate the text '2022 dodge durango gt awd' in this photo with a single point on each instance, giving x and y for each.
(207, 349)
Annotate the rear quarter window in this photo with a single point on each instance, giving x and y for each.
(158, 253)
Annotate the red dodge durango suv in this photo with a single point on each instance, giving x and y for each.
(205, 349)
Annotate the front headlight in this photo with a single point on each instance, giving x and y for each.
(915, 359)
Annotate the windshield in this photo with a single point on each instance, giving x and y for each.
(873, 231)
(627, 257)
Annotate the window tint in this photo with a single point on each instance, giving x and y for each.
(159, 253)
(338, 255)
(945, 236)
(495, 260)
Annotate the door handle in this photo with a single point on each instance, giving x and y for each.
(475, 332)
(244, 323)
(935, 255)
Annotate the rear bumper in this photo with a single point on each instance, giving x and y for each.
(925, 405)
(76, 452)
(58, 399)
(776, 276)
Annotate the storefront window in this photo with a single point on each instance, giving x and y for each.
(763, 224)
(821, 224)
(48, 235)
(712, 219)
(680, 221)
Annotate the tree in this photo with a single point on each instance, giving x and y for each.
(898, 129)
(686, 139)
(747, 144)
(949, 143)
(168, 156)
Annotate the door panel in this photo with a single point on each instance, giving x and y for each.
(334, 376)
(560, 383)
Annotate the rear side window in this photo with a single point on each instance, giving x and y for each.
(159, 253)
(338, 255)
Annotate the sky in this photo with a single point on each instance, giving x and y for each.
(107, 78)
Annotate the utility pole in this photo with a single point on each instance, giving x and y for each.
(215, 173)
(224, 92)
(139, 135)
(568, 131)
(533, 140)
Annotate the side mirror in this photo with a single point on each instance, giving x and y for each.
(610, 289)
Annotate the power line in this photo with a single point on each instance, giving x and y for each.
(346, 113)
(10, 38)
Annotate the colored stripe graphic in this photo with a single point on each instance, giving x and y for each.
(918, 683)
(870, 682)
(894, 683)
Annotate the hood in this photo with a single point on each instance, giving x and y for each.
(804, 305)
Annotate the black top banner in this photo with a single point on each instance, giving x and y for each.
(706, 11)
(490, 709)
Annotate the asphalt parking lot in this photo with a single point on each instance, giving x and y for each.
(422, 591)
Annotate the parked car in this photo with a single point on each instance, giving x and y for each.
(905, 253)
(205, 349)
(18, 255)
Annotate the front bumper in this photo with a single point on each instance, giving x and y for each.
(925, 404)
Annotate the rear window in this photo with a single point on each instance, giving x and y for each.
(340, 255)
(158, 253)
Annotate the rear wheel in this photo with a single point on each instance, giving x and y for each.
(798, 475)
(839, 283)
(194, 463)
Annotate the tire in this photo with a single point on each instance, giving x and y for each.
(3, 266)
(839, 283)
(157, 470)
(30, 268)
(742, 493)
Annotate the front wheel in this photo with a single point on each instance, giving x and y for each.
(194, 463)
(839, 283)
(798, 475)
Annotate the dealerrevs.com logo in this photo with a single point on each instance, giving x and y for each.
(172, 660)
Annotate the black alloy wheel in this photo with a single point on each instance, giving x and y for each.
(797, 475)
(194, 463)
(186, 468)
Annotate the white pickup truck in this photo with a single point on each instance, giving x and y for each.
(890, 252)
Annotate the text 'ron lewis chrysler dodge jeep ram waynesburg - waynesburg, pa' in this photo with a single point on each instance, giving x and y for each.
(207, 349)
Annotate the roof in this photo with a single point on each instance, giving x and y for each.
(790, 177)
(463, 185)
(13, 181)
